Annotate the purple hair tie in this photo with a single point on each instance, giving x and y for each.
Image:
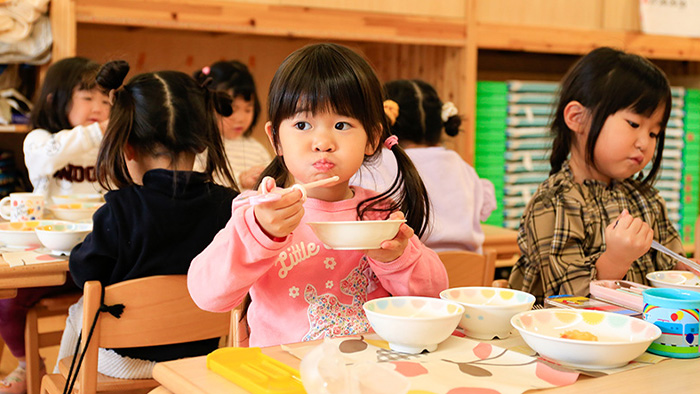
(391, 141)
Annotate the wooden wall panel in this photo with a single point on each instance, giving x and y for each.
(588, 14)
(156, 49)
(446, 8)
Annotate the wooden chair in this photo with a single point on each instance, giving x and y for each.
(469, 268)
(34, 339)
(239, 334)
(158, 310)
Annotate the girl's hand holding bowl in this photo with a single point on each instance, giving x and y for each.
(392, 249)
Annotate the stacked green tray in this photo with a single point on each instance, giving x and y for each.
(690, 205)
(490, 139)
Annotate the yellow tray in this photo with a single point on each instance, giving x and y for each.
(255, 371)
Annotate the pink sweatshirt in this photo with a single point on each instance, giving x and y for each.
(299, 289)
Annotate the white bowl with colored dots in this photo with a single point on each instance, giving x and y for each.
(413, 324)
(62, 237)
(583, 338)
(76, 211)
(487, 310)
(683, 280)
(21, 234)
(78, 198)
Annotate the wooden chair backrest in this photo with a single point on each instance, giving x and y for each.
(239, 334)
(469, 268)
(158, 310)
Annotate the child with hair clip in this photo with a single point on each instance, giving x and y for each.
(158, 214)
(68, 121)
(597, 214)
(247, 157)
(60, 154)
(418, 117)
(326, 120)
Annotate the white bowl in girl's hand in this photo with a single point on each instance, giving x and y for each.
(62, 237)
(356, 235)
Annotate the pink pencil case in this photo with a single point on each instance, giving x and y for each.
(620, 292)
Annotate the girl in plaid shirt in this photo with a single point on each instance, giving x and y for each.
(597, 213)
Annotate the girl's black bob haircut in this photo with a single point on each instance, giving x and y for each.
(605, 81)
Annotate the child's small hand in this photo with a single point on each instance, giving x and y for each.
(626, 239)
(392, 249)
(280, 217)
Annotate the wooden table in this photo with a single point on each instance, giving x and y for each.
(191, 376)
(35, 275)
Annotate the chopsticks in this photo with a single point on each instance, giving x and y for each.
(685, 260)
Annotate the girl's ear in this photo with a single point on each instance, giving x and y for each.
(268, 131)
(576, 117)
(129, 152)
(372, 146)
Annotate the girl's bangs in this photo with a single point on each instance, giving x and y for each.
(87, 80)
(641, 93)
(328, 86)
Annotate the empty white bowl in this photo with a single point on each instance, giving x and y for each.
(488, 310)
(62, 237)
(77, 198)
(684, 280)
(21, 234)
(620, 338)
(357, 235)
(413, 324)
(76, 211)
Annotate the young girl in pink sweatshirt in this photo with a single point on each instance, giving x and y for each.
(326, 119)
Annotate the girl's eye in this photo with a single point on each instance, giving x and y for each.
(633, 124)
(342, 126)
(302, 125)
(653, 135)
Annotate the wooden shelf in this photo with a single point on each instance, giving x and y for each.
(579, 41)
(276, 20)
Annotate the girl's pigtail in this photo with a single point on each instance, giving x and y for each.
(222, 103)
(111, 166)
(217, 162)
(408, 192)
(277, 170)
(111, 75)
(452, 125)
(560, 151)
(449, 115)
(202, 76)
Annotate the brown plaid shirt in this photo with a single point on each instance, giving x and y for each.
(561, 233)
